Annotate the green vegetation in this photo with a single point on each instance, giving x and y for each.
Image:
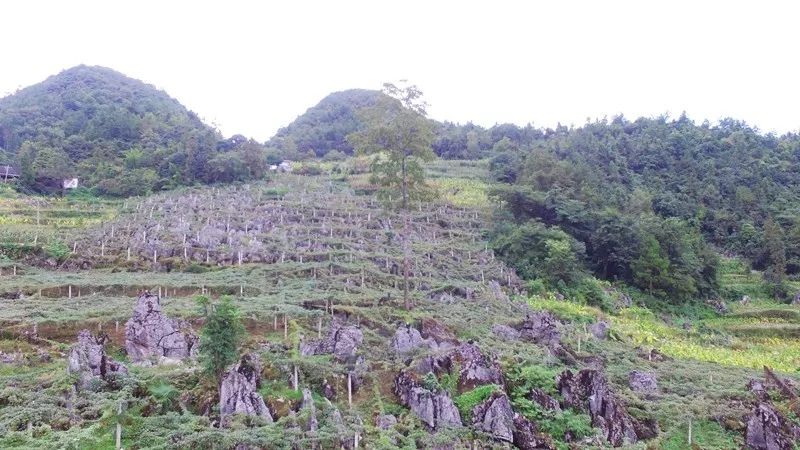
(622, 222)
(221, 337)
(397, 133)
(118, 135)
(648, 198)
(470, 399)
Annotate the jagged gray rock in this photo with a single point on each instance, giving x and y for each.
(152, 336)
(767, 429)
(436, 332)
(505, 332)
(497, 291)
(342, 341)
(407, 339)
(238, 392)
(644, 382)
(385, 421)
(541, 328)
(600, 329)
(589, 390)
(527, 437)
(495, 417)
(308, 404)
(476, 368)
(434, 409)
(544, 400)
(87, 358)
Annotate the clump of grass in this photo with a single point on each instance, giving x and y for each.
(470, 399)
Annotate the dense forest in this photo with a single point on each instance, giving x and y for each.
(118, 135)
(651, 201)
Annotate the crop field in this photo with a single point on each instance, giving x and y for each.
(299, 251)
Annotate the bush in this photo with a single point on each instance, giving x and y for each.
(57, 250)
(470, 399)
(309, 169)
(195, 268)
(334, 155)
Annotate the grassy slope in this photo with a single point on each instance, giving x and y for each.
(704, 381)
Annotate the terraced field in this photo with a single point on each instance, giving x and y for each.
(297, 253)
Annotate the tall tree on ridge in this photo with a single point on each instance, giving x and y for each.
(400, 137)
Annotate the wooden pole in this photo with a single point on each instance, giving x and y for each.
(350, 389)
(119, 427)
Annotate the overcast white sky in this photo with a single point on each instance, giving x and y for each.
(252, 67)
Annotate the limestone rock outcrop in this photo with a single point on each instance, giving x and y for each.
(238, 393)
(543, 399)
(600, 329)
(342, 342)
(151, 336)
(506, 332)
(308, 404)
(541, 328)
(527, 437)
(643, 382)
(477, 369)
(88, 359)
(434, 409)
(407, 339)
(767, 429)
(495, 417)
(589, 390)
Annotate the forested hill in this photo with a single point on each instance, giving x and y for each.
(642, 200)
(324, 127)
(115, 133)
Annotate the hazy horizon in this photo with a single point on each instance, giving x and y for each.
(252, 69)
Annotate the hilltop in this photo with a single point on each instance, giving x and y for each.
(117, 134)
(324, 127)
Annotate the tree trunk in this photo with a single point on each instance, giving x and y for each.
(406, 247)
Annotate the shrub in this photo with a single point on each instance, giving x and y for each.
(57, 249)
(470, 399)
(334, 155)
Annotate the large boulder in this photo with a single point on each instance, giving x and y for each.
(768, 429)
(151, 336)
(434, 409)
(385, 421)
(643, 382)
(600, 329)
(436, 332)
(541, 328)
(505, 332)
(477, 369)
(545, 400)
(238, 392)
(308, 405)
(589, 390)
(407, 339)
(527, 437)
(88, 359)
(495, 417)
(342, 342)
